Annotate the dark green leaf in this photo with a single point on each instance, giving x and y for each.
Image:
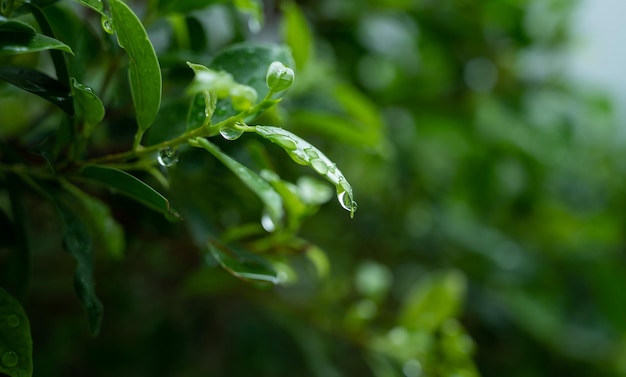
(40, 84)
(242, 264)
(144, 70)
(170, 123)
(270, 198)
(16, 345)
(19, 38)
(131, 187)
(185, 6)
(93, 4)
(77, 242)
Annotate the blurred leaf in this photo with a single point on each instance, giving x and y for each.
(16, 344)
(131, 187)
(270, 198)
(252, 7)
(185, 6)
(108, 231)
(304, 153)
(40, 84)
(93, 4)
(297, 34)
(432, 301)
(19, 38)
(169, 124)
(242, 264)
(143, 68)
(77, 242)
(248, 64)
(88, 103)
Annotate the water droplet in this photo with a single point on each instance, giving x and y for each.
(312, 153)
(267, 223)
(346, 201)
(230, 133)
(107, 24)
(284, 141)
(297, 157)
(319, 166)
(254, 25)
(13, 320)
(167, 157)
(10, 359)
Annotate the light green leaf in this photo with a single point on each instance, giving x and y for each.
(143, 69)
(242, 264)
(297, 34)
(432, 301)
(302, 152)
(131, 187)
(270, 198)
(19, 38)
(16, 344)
(87, 103)
(93, 4)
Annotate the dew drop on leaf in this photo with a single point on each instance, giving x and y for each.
(319, 166)
(230, 133)
(167, 157)
(107, 24)
(267, 223)
(13, 320)
(285, 142)
(10, 359)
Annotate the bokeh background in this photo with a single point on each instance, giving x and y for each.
(485, 144)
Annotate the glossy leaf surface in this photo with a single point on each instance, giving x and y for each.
(143, 69)
(87, 101)
(19, 38)
(131, 187)
(93, 4)
(16, 345)
(40, 84)
(242, 264)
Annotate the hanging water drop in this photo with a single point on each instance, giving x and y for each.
(13, 320)
(267, 223)
(107, 24)
(230, 133)
(346, 202)
(167, 157)
(10, 359)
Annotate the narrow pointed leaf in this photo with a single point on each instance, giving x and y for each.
(302, 152)
(270, 198)
(143, 68)
(40, 84)
(131, 187)
(243, 265)
(19, 38)
(93, 4)
(16, 344)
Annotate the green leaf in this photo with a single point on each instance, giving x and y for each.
(302, 152)
(131, 187)
(242, 264)
(107, 230)
(143, 69)
(270, 198)
(16, 344)
(76, 242)
(432, 301)
(93, 4)
(40, 84)
(185, 6)
(248, 64)
(19, 38)
(297, 34)
(87, 103)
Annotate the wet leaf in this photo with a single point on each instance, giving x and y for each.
(302, 152)
(87, 103)
(16, 345)
(270, 198)
(40, 84)
(131, 187)
(19, 38)
(242, 264)
(143, 68)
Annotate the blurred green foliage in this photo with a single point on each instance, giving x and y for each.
(489, 237)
